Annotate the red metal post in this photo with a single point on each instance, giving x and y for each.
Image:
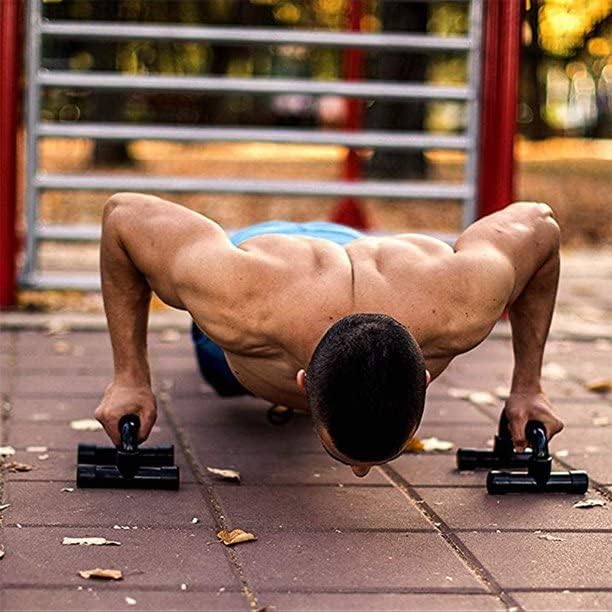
(349, 210)
(502, 39)
(9, 94)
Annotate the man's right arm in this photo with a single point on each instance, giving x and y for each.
(149, 244)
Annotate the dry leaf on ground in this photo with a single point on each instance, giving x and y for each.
(4, 507)
(2, 553)
(7, 451)
(169, 335)
(36, 449)
(550, 538)
(86, 425)
(56, 327)
(554, 371)
(432, 445)
(225, 474)
(501, 392)
(235, 536)
(62, 347)
(601, 421)
(482, 398)
(89, 542)
(459, 393)
(130, 601)
(15, 466)
(67, 490)
(600, 385)
(102, 574)
(589, 503)
(414, 445)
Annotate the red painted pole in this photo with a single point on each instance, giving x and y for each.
(349, 211)
(9, 95)
(502, 41)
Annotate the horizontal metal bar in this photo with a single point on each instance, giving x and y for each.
(377, 140)
(186, 184)
(252, 36)
(92, 233)
(369, 89)
(70, 233)
(68, 280)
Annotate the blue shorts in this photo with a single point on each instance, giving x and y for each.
(210, 356)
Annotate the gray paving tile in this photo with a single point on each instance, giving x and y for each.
(435, 469)
(41, 503)
(160, 558)
(59, 436)
(60, 466)
(475, 509)
(551, 600)
(267, 468)
(100, 597)
(65, 385)
(349, 602)
(311, 508)
(358, 562)
(581, 560)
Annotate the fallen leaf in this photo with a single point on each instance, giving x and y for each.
(459, 393)
(225, 474)
(183, 587)
(589, 503)
(15, 466)
(130, 601)
(4, 507)
(57, 327)
(195, 520)
(602, 345)
(62, 347)
(86, 425)
(482, 398)
(550, 538)
(2, 553)
(89, 542)
(235, 536)
(600, 385)
(601, 421)
(554, 371)
(502, 393)
(102, 574)
(36, 449)
(67, 490)
(43, 457)
(169, 335)
(431, 445)
(7, 451)
(414, 445)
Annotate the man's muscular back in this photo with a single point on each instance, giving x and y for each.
(268, 302)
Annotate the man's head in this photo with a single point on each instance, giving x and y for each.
(365, 386)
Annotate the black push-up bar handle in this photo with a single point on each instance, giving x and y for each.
(109, 476)
(501, 456)
(153, 456)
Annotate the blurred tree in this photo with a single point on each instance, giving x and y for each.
(405, 115)
(107, 106)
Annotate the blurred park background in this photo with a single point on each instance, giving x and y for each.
(563, 149)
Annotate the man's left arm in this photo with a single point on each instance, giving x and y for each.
(514, 253)
(530, 317)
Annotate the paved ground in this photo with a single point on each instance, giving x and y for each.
(413, 535)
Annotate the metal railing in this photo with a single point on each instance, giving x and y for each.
(39, 78)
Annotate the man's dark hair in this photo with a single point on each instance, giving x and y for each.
(366, 385)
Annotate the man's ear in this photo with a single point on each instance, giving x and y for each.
(300, 379)
(427, 378)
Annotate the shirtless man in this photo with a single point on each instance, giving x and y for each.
(351, 330)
